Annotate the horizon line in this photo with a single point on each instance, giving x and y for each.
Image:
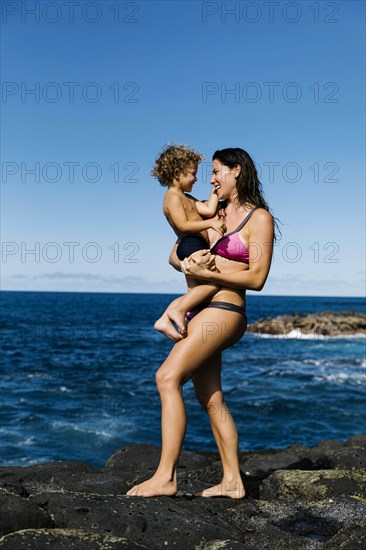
(179, 294)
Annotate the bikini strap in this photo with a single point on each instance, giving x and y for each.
(235, 230)
(246, 219)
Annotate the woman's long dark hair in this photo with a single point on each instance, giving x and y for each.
(248, 186)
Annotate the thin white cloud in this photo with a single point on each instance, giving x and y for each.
(61, 275)
(92, 282)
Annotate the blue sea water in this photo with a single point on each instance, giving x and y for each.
(78, 378)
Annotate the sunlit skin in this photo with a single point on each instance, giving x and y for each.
(197, 357)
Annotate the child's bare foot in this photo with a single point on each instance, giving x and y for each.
(153, 487)
(224, 489)
(178, 317)
(165, 326)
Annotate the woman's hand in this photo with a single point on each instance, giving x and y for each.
(198, 264)
(206, 258)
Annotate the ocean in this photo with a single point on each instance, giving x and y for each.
(78, 378)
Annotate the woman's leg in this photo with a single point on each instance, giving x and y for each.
(210, 332)
(207, 384)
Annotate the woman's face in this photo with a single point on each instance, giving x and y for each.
(224, 179)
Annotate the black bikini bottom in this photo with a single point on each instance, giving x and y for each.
(218, 305)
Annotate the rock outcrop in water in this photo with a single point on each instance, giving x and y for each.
(325, 323)
(297, 498)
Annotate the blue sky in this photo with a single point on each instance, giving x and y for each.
(114, 81)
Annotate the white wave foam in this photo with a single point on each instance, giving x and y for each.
(341, 378)
(315, 362)
(297, 334)
(27, 441)
(77, 428)
(42, 375)
(333, 362)
(109, 433)
(24, 460)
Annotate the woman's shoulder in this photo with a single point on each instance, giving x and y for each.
(262, 223)
(261, 214)
(257, 217)
(256, 213)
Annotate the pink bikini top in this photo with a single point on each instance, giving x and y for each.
(230, 246)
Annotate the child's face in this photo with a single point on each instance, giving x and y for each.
(188, 178)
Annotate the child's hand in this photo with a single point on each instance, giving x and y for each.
(219, 225)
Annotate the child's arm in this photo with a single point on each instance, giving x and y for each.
(177, 217)
(208, 208)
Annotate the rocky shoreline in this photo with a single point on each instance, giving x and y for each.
(297, 498)
(324, 323)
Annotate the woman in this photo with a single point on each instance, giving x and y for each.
(218, 325)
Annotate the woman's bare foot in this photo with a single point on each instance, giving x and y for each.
(165, 326)
(224, 489)
(153, 487)
(179, 318)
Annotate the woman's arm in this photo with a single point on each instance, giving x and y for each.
(260, 257)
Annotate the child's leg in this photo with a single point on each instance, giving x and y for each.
(177, 309)
(197, 293)
(165, 325)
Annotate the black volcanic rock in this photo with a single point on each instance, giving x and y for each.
(297, 498)
(57, 476)
(18, 513)
(342, 459)
(329, 454)
(349, 538)
(262, 467)
(64, 539)
(150, 522)
(314, 485)
(356, 440)
(325, 323)
(146, 458)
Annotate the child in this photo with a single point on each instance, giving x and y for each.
(176, 168)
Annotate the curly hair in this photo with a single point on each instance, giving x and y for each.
(174, 160)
